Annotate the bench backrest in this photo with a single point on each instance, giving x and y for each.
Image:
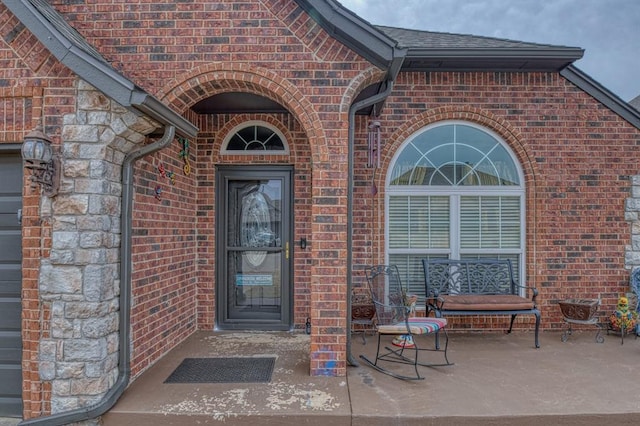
(485, 276)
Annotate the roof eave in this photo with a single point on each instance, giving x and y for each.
(100, 75)
(494, 59)
(570, 54)
(354, 32)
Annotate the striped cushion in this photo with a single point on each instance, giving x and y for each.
(416, 325)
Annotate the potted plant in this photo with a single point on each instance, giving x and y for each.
(623, 319)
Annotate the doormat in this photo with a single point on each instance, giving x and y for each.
(223, 370)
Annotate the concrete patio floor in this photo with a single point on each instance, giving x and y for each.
(497, 379)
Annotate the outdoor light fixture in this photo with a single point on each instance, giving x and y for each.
(44, 164)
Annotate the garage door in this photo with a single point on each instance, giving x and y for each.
(10, 284)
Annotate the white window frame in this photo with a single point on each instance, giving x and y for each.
(455, 193)
(236, 129)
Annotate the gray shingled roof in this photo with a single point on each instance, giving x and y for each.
(417, 39)
(430, 51)
(635, 102)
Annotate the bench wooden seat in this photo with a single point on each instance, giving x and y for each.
(477, 287)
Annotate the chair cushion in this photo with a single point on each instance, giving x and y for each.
(417, 325)
(485, 302)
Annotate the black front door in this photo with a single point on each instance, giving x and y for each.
(253, 288)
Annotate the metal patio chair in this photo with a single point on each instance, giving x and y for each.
(393, 317)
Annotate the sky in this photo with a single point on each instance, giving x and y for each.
(608, 30)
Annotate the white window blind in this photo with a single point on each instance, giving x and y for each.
(417, 222)
(489, 222)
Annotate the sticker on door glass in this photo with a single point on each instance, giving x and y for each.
(254, 279)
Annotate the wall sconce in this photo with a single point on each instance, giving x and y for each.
(39, 157)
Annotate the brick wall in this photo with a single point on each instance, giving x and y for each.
(577, 156)
(164, 256)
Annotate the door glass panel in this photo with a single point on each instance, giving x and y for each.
(256, 291)
(254, 249)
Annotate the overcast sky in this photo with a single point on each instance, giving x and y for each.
(608, 30)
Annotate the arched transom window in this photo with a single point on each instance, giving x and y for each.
(454, 190)
(253, 138)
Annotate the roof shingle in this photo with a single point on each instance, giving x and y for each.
(417, 39)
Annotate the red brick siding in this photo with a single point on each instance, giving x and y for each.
(164, 257)
(577, 157)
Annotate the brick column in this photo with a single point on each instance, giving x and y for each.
(329, 283)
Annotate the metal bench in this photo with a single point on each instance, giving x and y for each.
(477, 287)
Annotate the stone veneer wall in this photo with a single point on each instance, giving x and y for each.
(79, 283)
(632, 215)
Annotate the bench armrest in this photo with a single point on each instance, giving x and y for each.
(435, 301)
(529, 290)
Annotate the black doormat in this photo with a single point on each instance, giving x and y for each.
(223, 370)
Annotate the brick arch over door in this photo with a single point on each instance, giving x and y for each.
(213, 79)
(512, 136)
(210, 80)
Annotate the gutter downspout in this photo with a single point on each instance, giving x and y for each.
(352, 116)
(124, 357)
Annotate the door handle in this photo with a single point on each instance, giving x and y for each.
(286, 250)
(19, 214)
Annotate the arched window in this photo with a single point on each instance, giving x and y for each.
(454, 190)
(255, 137)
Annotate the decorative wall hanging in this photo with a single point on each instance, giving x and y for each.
(167, 174)
(184, 155)
(158, 193)
(374, 141)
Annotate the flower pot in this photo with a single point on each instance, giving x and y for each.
(363, 312)
(579, 309)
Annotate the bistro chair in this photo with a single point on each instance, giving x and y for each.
(394, 317)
